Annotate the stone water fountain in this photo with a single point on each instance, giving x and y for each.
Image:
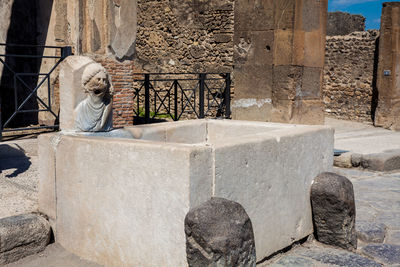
(119, 197)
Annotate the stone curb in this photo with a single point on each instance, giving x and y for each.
(22, 235)
(385, 161)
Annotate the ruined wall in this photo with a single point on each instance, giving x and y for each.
(279, 57)
(342, 23)
(349, 75)
(185, 36)
(388, 74)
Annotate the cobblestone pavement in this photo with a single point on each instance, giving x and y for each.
(377, 197)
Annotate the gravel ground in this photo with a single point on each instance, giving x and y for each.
(18, 177)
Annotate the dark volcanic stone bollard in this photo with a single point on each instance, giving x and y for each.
(334, 212)
(219, 233)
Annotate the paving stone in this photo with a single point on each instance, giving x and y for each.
(292, 260)
(370, 232)
(365, 213)
(385, 253)
(390, 219)
(393, 237)
(337, 257)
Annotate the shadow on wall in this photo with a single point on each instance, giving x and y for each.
(12, 158)
(29, 22)
(375, 93)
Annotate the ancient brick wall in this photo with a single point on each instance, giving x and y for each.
(122, 79)
(348, 86)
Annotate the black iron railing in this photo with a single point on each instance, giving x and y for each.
(175, 95)
(33, 54)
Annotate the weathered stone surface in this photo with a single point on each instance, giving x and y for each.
(123, 30)
(343, 160)
(334, 212)
(349, 86)
(385, 253)
(202, 151)
(219, 233)
(387, 161)
(292, 47)
(337, 257)
(85, 95)
(22, 235)
(370, 232)
(342, 23)
(387, 112)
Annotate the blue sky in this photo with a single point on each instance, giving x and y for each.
(370, 9)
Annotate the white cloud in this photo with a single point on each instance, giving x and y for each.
(349, 2)
(377, 20)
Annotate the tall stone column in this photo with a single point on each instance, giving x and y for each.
(279, 49)
(387, 114)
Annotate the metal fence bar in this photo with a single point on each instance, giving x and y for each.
(64, 52)
(190, 96)
(202, 77)
(175, 100)
(147, 98)
(227, 97)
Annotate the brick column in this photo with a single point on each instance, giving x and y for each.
(387, 114)
(279, 51)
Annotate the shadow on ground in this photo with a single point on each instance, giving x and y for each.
(13, 158)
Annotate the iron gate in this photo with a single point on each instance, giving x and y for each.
(193, 95)
(20, 52)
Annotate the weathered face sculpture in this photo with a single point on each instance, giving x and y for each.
(98, 84)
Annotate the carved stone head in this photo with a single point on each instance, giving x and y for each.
(95, 80)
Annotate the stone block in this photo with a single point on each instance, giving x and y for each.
(269, 179)
(253, 48)
(283, 47)
(284, 14)
(252, 109)
(310, 14)
(334, 211)
(21, 236)
(71, 92)
(219, 233)
(311, 84)
(253, 82)
(308, 112)
(250, 15)
(314, 49)
(148, 183)
(343, 160)
(287, 81)
(47, 144)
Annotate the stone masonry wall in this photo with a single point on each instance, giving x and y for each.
(348, 75)
(342, 23)
(185, 36)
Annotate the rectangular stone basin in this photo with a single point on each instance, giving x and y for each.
(122, 201)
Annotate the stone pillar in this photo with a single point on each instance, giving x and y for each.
(279, 49)
(387, 114)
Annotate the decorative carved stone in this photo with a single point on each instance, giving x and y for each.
(85, 96)
(94, 113)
